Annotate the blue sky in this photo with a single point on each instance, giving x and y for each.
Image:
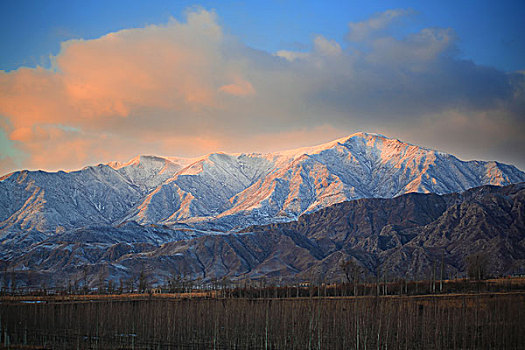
(490, 32)
(85, 82)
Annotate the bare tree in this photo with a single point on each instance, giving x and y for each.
(121, 286)
(442, 272)
(131, 284)
(434, 277)
(13, 281)
(85, 286)
(101, 283)
(352, 272)
(143, 281)
(477, 266)
(175, 282)
(110, 287)
(5, 284)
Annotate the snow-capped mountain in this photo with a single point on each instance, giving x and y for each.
(242, 189)
(226, 191)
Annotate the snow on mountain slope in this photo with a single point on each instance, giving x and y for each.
(202, 190)
(284, 185)
(148, 172)
(225, 191)
(52, 202)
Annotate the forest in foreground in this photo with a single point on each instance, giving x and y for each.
(268, 319)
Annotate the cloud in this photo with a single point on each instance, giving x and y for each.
(169, 66)
(291, 55)
(326, 47)
(376, 25)
(239, 88)
(188, 88)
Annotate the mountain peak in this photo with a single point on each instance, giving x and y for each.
(373, 137)
(363, 135)
(360, 142)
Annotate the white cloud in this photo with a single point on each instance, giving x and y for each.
(325, 47)
(371, 27)
(292, 55)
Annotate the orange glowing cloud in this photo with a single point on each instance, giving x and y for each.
(31, 96)
(173, 67)
(162, 72)
(239, 88)
(169, 66)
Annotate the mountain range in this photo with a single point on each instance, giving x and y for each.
(168, 211)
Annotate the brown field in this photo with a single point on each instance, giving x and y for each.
(107, 297)
(166, 321)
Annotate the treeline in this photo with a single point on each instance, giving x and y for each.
(96, 278)
(398, 287)
(355, 281)
(406, 322)
(263, 288)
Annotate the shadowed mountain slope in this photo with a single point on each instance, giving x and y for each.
(405, 236)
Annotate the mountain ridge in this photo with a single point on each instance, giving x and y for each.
(115, 164)
(231, 191)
